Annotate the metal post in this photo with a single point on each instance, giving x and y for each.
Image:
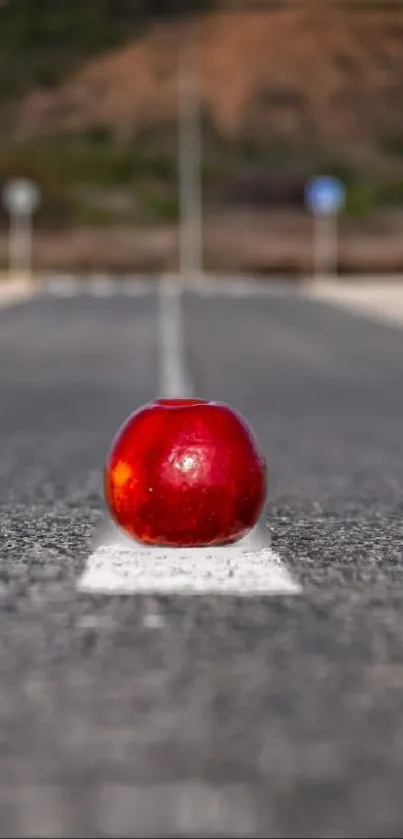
(20, 243)
(21, 197)
(325, 246)
(190, 160)
(174, 379)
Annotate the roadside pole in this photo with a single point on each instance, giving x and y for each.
(21, 198)
(325, 198)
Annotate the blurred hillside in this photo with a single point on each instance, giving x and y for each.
(41, 43)
(89, 104)
(309, 75)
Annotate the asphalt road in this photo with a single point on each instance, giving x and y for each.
(211, 716)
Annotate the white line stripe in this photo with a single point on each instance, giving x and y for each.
(102, 286)
(38, 810)
(63, 285)
(243, 287)
(174, 380)
(138, 288)
(114, 570)
(184, 808)
(247, 568)
(97, 285)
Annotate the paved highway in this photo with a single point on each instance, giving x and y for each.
(203, 716)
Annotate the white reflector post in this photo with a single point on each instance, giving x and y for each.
(21, 198)
(325, 198)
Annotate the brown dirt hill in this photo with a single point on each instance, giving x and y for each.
(326, 76)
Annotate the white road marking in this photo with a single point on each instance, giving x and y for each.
(243, 287)
(174, 379)
(153, 620)
(102, 286)
(36, 809)
(250, 567)
(97, 285)
(115, 570)
(62, 285)
(138, 288)
(139, 285)
(184, 808)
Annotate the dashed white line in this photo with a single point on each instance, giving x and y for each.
(153, 620)
(138, 288)
(102, 286)
(97, 285)
(138, 285)
(247, 568)
(62, 285)
(185, 808)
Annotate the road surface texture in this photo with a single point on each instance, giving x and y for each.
(203, 716)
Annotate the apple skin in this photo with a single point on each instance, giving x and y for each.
(185, 472)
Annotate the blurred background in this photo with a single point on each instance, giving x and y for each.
(98, 97)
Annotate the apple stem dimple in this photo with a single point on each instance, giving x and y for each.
(180, 402)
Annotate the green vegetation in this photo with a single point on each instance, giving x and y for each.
(360, 200)
(390, 193)
(91, 178)
(392, 145)
(40, 42)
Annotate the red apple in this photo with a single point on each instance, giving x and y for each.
(185, 472)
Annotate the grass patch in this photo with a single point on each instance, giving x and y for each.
(360, 200)
(390, 194)
(94, 178)
(392, 145)
(66, 166)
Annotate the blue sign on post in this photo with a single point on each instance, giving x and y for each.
(325, 195)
